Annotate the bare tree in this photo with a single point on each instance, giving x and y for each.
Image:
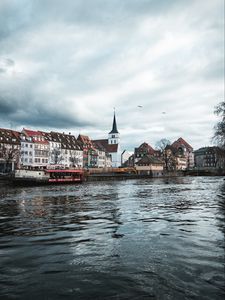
(9, 154)
(219, 128)
(55, 156)
(74, 159)
(161, 145)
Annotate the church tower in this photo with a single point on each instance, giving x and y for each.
(114, 144)
(114, 135)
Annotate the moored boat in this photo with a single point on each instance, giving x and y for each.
(48, 176)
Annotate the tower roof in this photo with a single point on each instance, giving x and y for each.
(114, 127)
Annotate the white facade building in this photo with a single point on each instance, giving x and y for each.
(34, 149)
(71, 153)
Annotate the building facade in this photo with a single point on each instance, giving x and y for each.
(143, 150)
(70, 152)
(186, 150)
(9, 150)
(209, 158)
(150, 165)
(34, 149)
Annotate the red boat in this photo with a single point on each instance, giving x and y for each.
(48, 176)
(65, 175)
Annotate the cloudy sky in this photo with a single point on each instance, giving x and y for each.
(65, 64)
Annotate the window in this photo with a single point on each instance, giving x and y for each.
(26, 145)
(31, 146)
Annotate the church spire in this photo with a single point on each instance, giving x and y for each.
(114, 127)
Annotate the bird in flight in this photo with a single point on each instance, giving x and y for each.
(140, 106)
(163, 112)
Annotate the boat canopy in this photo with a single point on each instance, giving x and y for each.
(63, 171)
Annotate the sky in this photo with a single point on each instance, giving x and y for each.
(66, 64)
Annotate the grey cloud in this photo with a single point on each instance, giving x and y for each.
(6, 63)
(31, 113)
(6, 108)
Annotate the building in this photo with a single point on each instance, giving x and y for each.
(69, 152)
(209, 158)
(88, 147)
(178, 156)
(150, 165)
(55, 148)
(34, 149)
(141, 151)
(9, 150)
(112, 144)
(182, 147)
(101, 155)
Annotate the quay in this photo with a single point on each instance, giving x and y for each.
(71, 176)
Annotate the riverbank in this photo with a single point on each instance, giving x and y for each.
(94, 177)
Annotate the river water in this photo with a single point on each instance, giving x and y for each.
(135, 239)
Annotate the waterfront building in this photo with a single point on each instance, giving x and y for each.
(178, 156)
(209, 158)
(101, 155)
(70, 152)
(150, 165)
(87, 145)
(9, 150)
(184, 148)
(141, 151)
(34, 149)
(55, 148)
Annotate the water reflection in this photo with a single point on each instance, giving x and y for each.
(159, 239)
